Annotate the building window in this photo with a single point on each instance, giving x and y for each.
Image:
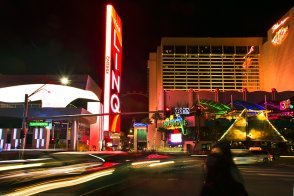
(180, 50)
(168, 50)
(216, 50)
(241, 50)
(229, 50)
(204, 49)
(192, 49)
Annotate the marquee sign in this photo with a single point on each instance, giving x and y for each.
(112, 70)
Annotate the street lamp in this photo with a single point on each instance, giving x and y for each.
(23, 133)
(64, 81)
(25, 116)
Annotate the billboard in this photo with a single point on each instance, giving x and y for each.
(112, 70)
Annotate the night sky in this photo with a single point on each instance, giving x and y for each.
(66, 37)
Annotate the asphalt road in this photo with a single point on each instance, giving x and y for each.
(184, 177)
(276, 179)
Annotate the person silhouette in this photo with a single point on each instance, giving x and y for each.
(221, 175)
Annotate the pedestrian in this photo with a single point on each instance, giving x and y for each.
(221, 175)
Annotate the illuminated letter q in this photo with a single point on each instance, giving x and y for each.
(114, 103)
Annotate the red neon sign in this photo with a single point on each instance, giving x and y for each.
(112, 71)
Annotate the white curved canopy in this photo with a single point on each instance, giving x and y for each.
(51, 95)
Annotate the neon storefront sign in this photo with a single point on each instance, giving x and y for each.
(112, 71)
(175, 123)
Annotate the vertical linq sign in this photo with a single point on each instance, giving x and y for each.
(112, 72)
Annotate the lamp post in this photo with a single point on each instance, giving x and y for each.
(196, 109)
(25, 116)
(247, 130)
(63, 80)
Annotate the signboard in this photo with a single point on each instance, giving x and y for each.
(112, 70)
(182, 110)
(176, 138)
(141, 135)
(280, 31)
(175, 123)
(286, 104)
(38, 124)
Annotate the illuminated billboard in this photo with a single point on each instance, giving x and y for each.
(112, 70)
(176, 138)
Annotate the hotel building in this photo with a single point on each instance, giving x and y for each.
(255, 69)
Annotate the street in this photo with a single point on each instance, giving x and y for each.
(184, 177)
(277, 179)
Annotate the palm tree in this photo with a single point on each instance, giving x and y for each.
(147, 121)
(156, 116)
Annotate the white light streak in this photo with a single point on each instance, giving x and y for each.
(161, 163)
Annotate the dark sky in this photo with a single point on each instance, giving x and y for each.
(67, 36)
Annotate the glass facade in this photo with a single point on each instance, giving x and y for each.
(207, 67)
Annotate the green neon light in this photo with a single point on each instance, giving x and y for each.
(175, 123)
(217, 107)
(38, 124)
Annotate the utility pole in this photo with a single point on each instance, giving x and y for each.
(247, 129)
(24, 129)
(197, 114)
(24, 122)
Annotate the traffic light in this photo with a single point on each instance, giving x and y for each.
(52, 141)
(166, 112)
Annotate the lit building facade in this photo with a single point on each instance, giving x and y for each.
(59, 116)
(210, 63)
(112, 77)
(185, 70)
(278, 55)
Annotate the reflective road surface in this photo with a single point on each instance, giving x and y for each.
(120, 173)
